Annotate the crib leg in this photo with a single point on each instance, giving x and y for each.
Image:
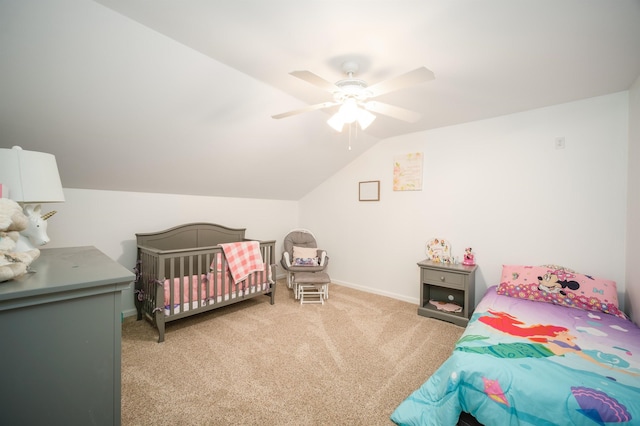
(273, 286)
(138, 302)
(159, 318)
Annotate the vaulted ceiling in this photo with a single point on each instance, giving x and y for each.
(177, 96)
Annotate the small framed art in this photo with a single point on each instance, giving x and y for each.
(369, 191)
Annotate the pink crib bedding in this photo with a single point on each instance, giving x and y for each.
(211, 286)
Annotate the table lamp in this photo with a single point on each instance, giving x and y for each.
(30, 177)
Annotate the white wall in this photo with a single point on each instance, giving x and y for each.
(499, 186)
(633, 194)
(109, 220)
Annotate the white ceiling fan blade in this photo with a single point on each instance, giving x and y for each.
(393, 111)
(305, 109)
(419, 75)
(314, 79)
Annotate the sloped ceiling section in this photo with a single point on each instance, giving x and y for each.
(177, 96)
(124, 107)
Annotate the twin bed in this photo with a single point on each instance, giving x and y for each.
(197, 267)
(547, 346)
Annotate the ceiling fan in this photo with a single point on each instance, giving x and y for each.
(355, 97)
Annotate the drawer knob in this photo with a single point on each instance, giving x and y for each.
(442, 279)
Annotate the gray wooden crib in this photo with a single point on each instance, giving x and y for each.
(183, 271)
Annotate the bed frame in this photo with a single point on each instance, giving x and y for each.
(189, 252)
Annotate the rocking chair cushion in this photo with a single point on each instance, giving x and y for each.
(304, 252)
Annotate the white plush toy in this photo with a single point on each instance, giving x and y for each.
(12, 221)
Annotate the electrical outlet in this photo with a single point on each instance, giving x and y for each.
(560, 143)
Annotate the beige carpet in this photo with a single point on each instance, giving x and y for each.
(350, 361)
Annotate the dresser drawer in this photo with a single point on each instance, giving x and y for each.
(448, 279)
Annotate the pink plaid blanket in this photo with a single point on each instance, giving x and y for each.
(243, 259)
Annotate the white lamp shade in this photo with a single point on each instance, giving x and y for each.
(336, 122)
(365, 118)
(349, 110)
(348, 113)
(30, 176)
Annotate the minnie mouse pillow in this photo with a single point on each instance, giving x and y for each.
(562, 286)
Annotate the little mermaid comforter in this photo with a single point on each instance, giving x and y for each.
(521, 362)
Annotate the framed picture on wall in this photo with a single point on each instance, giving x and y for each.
(369, 190)
(407, 172)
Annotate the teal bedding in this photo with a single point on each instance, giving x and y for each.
(521, 362)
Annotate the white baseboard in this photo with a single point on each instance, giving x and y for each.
(129, 313)
(396, 296)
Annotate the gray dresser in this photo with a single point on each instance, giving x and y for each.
(60, 331)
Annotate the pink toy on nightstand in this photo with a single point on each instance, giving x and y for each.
(469, 258)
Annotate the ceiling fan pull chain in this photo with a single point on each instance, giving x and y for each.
(356, 126)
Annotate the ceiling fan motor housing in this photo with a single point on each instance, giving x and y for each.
(352, 88)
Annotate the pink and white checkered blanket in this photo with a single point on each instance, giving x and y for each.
(243, 259)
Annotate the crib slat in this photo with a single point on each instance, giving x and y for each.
(190, 283)
(172, 275)
(202, 284)
(207, 262)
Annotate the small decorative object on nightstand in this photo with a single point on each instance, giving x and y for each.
(469, 258)
(439, 250)
(443, 286)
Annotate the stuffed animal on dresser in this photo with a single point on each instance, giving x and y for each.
(12, 220)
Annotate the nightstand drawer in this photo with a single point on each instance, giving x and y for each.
(449, 279)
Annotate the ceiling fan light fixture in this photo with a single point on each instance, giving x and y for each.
(365, 118)
(349, 110)
(336, 122)
(342, 117)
